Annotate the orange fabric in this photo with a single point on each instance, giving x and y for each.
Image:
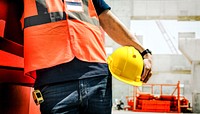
(46, 45)
(54, 43)
(92, 13)
(53, 5)
(90, 49)
(30, 9)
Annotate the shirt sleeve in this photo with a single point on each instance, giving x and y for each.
(100, 6)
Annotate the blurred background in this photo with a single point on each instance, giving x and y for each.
(169, 28)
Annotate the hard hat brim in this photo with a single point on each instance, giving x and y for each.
(126, 80)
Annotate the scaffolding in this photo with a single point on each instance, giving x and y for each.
(150, 102)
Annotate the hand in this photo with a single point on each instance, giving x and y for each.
(147, 73)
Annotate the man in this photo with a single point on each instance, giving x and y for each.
(63, 43)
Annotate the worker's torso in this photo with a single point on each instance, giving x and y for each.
(56, 31)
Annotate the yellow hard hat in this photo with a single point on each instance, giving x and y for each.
(126, 65)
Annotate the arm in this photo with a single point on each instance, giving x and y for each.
(120, 34)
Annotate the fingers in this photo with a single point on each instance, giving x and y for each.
(146, 74)
(147, 77)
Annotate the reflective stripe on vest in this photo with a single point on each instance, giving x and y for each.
(46, 17)
(54, 35)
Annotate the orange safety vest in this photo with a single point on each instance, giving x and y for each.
(56, 31)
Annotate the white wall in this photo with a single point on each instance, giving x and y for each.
(167, 68)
